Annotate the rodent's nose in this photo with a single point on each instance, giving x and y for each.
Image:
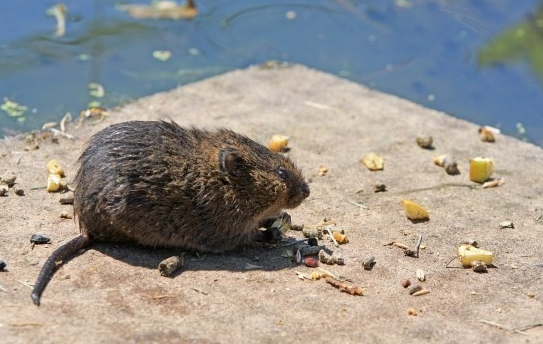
(305, 190)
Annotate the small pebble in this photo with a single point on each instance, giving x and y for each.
(8, 178)
(507, 224)
(412, 311)
(65, 215)
(32, 260)
(19, 191)
(369, 263)
(425, 141)
(414, 289)
(67, 199)
(3, 189)
(39, 239)
(170, 265)
(2, 265)
(406, 283)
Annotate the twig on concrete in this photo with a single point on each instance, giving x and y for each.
(356, 204)
(511, 329)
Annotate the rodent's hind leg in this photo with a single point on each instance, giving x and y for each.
(273, 228)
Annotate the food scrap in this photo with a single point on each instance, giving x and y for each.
(486, 133)
(335, 258)
(414, 211)
(469, 254)
(311, 262)
(480, 169)
(340, 238)
(448, 163)
(373, 162)
(278, 143)
(323, 170)
(53, 167)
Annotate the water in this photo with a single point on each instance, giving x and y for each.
(474, 59)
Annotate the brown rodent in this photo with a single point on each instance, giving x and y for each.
(157, 184)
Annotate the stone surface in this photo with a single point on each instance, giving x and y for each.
(115, 294)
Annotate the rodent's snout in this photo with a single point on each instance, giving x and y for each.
(305, 190)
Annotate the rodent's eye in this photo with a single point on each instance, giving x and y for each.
(282, 173)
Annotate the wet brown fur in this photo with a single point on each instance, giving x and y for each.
(157, 184)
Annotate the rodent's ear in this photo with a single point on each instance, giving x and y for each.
(230, 162)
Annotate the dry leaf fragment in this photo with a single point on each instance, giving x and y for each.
(415, 211)
(345, 287)
(493, 183)
(373, 162)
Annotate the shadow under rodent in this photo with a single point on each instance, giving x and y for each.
(156, 184)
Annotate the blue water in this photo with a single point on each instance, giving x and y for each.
(428, 51)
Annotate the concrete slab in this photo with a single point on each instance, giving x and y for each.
(114, 294)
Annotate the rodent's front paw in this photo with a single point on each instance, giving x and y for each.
(270, 236)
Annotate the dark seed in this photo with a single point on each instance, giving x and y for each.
(39, 239)
(379, 188)
(414, 289)
(2, 265)
(313, 241)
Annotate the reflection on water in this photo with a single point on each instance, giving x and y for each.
(522, 42)
(468, 58)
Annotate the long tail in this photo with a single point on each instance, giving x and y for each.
(48, 268)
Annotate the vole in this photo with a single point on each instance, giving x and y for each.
(157, 184)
